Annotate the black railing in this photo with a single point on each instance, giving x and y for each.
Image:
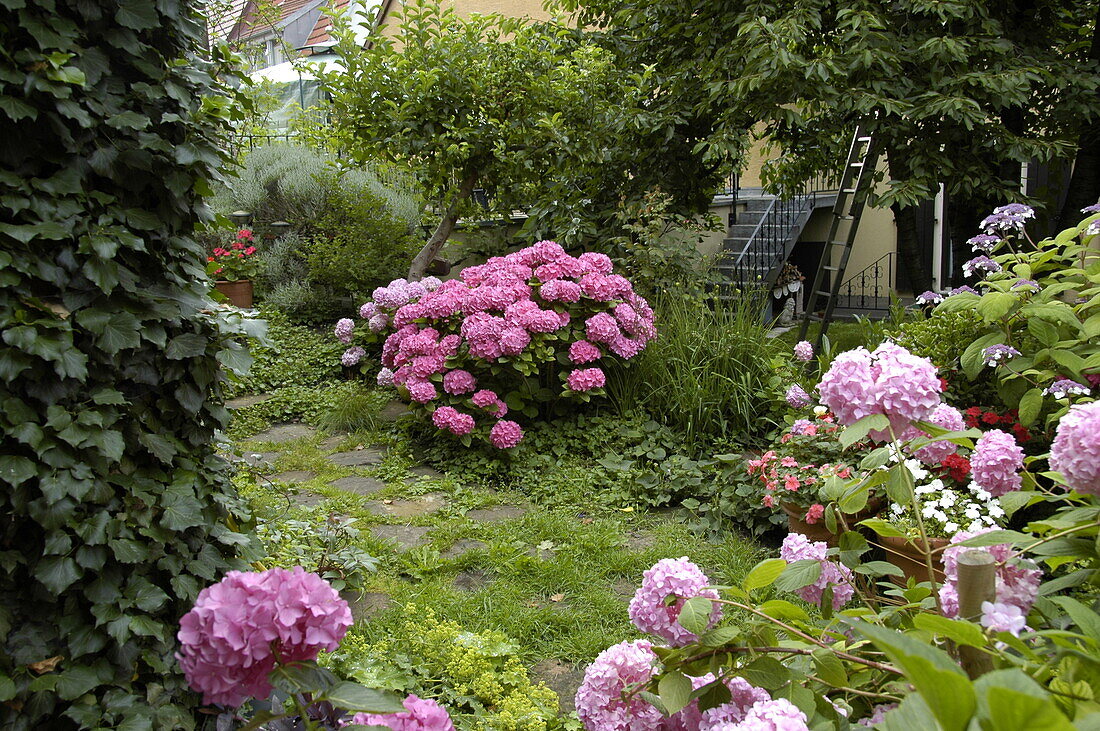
(870, 288)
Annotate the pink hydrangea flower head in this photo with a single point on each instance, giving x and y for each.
(385, 377)
(560, 290)
(368, 310)
(945, 416)
(420, 714)
(344, 329)
(670, 579)
(426, 366)
(595, 262)
(451, 419)
(797, 547)
(544, 252)
(505, 434)
(626, 348)
(599, 699)
(602, 328)
(458, 382)
(996, 462)
(421, 391)
(846, 387)
(352, 356)
(231, 637)
(778, 714)
(742, 697)
(797, 397)
(484, 397)
(1075, 451)
(804, 350)
(1017, 581)
(585, 379)
(431, 284)
(583, 351)
(1001, 617)
(378, 322)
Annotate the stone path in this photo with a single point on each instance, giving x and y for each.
(425, 505)
(293, 477)
(498, 512)
(358, 457)
(261, 459)
(359, 485)
(405, 536)
(463, 546)
(285, 433)
(560, 677)
(243, 401)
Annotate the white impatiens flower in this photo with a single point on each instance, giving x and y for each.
(897, 508)
(951, 527)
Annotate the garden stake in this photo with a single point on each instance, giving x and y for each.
(977, 581)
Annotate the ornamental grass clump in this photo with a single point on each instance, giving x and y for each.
(519, 334)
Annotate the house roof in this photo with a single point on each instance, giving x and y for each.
(252, 23)
(320, 33)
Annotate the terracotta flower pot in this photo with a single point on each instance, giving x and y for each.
(238, 293)
(796, 521)
(909, 556)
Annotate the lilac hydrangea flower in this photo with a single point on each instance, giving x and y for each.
(743, 696)
(1007, 218)
(344, 329)
(1001, 617)
(242, 626)
(352, 356)
(996, 462)
(1094, 208)
(1025, 285)
(1017, 581)
(385, 377)
(984, 243)
(420, 714)
(431, 284)
(1093, 228)
(797, 547)
(368, 310)
(1075, 451)
(965, 289)
(797, 397)
(929, 298)
(803, 426)
(980, 265)
(665, 587)
(878, 715)
(778, 714)
(1064, 387)
(599, 700)
(994, 354)
(803, 350)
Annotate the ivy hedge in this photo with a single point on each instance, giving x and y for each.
(117, 509)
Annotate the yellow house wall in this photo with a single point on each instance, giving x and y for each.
(512, 8)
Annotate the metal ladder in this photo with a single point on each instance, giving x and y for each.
(851, 199)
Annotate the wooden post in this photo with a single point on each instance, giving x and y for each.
(977, 583)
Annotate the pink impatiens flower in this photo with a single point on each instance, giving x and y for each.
(656, 605)
(242, 626)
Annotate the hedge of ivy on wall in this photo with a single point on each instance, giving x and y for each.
(114, 503)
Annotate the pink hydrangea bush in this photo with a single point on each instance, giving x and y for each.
(1075, 451)
(1017, 582)
(655, 608)
(420, 714)
(241, 627)
(797, 547)
(996, 463)
(535, 312)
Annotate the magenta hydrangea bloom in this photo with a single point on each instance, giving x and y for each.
(651, 610)
(421, 391)
(344, 329)
(1075, 451)
(1017, 580)
(797, 547)
(352, 356)
(804, 350)
(583, 351)
(944, 416)
(230, 638)
(420, 714)
(561, 290)
(505, 434)
(453, 420)
(996, 462)
(595, 262)
(890, 381)
(599, 699)
(586, 379)
(797, 397)
(602, 328)
(459, 381)
(778, 714)
(742, 697)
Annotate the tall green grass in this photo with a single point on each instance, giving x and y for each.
(708, 374)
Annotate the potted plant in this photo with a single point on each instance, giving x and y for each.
(794, 472)
(234, 267)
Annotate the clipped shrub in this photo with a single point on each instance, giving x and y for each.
(943, 340)
(115, 503)
(524, 333)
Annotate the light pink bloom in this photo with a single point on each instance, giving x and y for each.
(421, 714)
(996, 461)
(1075, 451)
(665, 587)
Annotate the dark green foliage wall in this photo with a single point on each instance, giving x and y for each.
(113, 501)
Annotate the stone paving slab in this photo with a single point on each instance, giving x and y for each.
(405, 536)
(463, 546)
(497, 512)
(422, 471)
(261, 459)
(471, 580)
(358, 457)
(285, 433)
(359, 485)
(393, 411)
(366, 605)
(307, 499)
(560, 677)
(293, 477)
(333, 442)
(430, 503)
(636, 541)
(243, 401)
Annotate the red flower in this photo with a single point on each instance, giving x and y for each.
(237, 245)
(957, 466)
(245, 234)
(250, 250)
(1021, 433)
(990, 418)
(943, 384)
(210, 258)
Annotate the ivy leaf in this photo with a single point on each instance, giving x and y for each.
(137, 15)
(57, 573)
(16, 470)
(187, 345)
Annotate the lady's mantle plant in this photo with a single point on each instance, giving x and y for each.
(518, 332)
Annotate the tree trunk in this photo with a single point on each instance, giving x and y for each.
(1084, 184)
(443, 231)
(905, 220)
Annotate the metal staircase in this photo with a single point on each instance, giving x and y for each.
(855, 184)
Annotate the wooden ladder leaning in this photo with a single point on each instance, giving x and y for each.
(855, 185)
